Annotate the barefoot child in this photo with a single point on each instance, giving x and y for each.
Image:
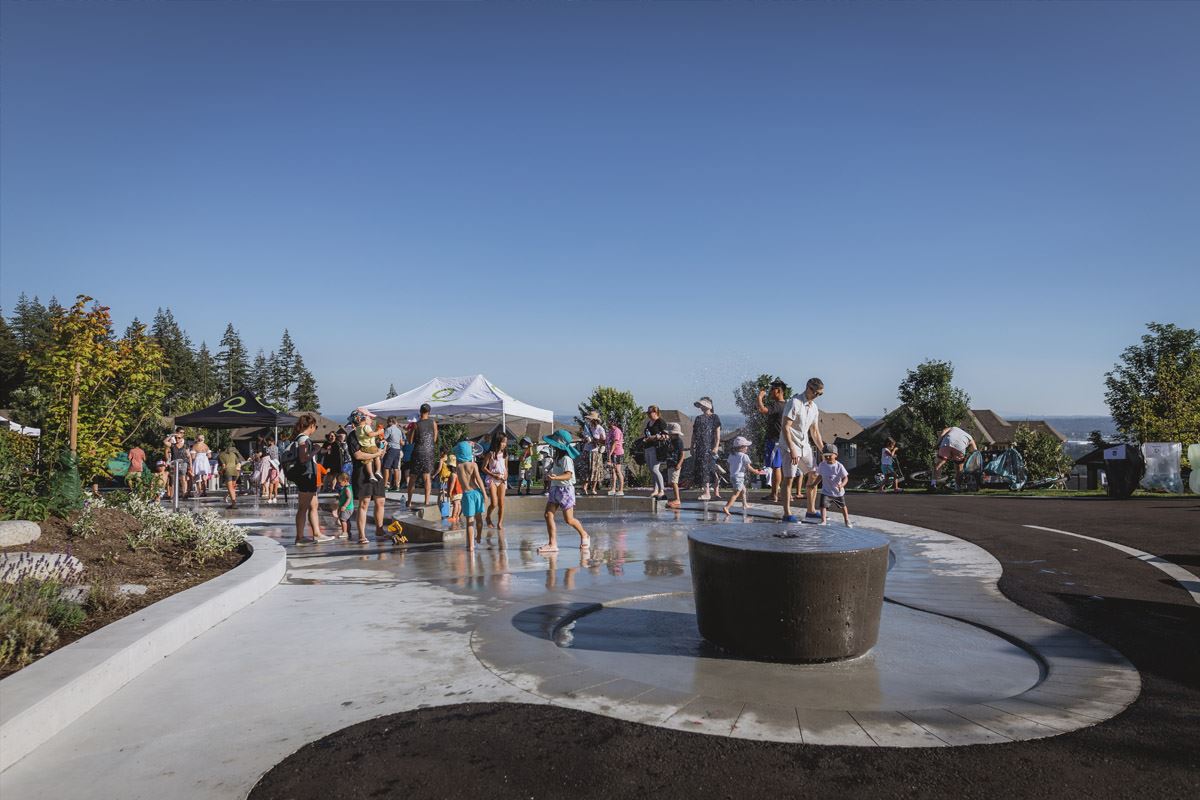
(473, 491)
(672, 455)
(562, 490)
(345, 506)
(495, 477)
(525, 465)
(833, 484)
(739, 465)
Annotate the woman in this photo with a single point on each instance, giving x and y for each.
(262, 470)
(654, 436)
(772, 455)
(424, 458)
(495, 478)
(201, 466)
(305, 476)
(706, 443)
(330, 461)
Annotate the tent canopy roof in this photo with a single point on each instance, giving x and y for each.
(473, 397)
(240, 411)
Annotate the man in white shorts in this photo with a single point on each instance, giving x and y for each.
(953, 445)
(800, 416)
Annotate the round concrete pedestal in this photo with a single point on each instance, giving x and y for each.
(800, 594)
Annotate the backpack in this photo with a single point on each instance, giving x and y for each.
(294, 468)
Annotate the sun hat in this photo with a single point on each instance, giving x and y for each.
(830, 449)
(561, 440)
(463, 452)
(526, 440)
(705, 403)
(594, 416)
(740, 441)
(675, 428)
(451, 459)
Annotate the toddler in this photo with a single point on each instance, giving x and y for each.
(739, 465)
(672, 455)
(345, 506)
(368, 442)
(834, 478)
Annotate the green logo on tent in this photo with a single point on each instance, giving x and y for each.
(442, 395)
(233, 404)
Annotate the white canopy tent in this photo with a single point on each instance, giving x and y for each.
(471, 397)
(21, 429)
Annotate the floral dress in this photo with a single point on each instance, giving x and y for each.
(704, 427)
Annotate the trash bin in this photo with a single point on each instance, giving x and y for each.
(1124, 466)
(1162, 467)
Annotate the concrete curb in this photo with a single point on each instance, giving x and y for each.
(50, 694)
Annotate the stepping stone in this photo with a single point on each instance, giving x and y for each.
(18, 531)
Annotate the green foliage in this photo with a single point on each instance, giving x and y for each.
(613, 404)
(201, 535)
(391, 392)
(21, 485)
(179, 361)
(305, 397)
(12, 368)
(932, 403)
(233, 372)
(1043, 453)
(746, 398)
(450, 434)
(32, 612)
(1152, 391)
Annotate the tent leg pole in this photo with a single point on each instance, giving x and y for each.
(175, 499)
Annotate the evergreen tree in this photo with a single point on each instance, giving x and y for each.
(392, 391)
(274, 393)
(305, 398)
(12, 369)
(261, 379)
(285, 369)
(232, 370)
(31, 324)
(206, 372)
(180, 369)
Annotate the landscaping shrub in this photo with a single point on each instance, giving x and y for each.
(32, 612)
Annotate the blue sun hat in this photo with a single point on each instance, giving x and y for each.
(463, 452)
(561, 440)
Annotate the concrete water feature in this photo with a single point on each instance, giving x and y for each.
(354, 632)
(806, 594)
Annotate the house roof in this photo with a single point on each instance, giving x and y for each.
(836, 426)
(675, 415)
(995, 428)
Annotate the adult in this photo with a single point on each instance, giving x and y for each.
(177, 456)
(953, 445)
(201, 466)
(594, 438)
(800, 420)
(706, 444)
(394, 436)
(424, 458)
(272, 448)
(137, 461)
(304, 474)
(341, 449)
(616, 454)
(367, 491)
(230, 462)
(772, 412)
(331, 462)
(261, 475)
(654, 436)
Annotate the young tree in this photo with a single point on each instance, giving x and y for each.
(746, 398)
(932, 402)
(1152, 391)
(305, 398)
(1043, 453)
(232, 369)
(98, 391)
(611, 404)
(392, 391)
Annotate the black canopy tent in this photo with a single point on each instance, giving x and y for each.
(242, 410)
(239, 411)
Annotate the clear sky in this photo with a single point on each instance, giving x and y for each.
(666, 197)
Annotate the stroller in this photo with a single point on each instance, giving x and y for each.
(970, 478)
(1006, 469)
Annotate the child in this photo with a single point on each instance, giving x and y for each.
(616, 454)
(547, 468)
(834, 478)
(888, 465)
(345, 507)
(473, 490)
(739, 464)
(562, 491)
(495, 469)
(673, 457)
(525, 467)
(452, 488)
(368, 442)
(160, 479)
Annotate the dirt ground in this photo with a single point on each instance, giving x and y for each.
(531, 751)
(108, 560)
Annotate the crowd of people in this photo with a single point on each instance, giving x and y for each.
(361, 461)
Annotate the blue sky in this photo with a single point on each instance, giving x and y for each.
(665, 197)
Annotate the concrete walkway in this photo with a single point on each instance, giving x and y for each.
(356, 632)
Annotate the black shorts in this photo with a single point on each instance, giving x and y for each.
(365, 488)
(829, 501)
(391, 459)
(306, 483)
(616, 460)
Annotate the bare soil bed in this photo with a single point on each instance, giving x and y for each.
(109, 561)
